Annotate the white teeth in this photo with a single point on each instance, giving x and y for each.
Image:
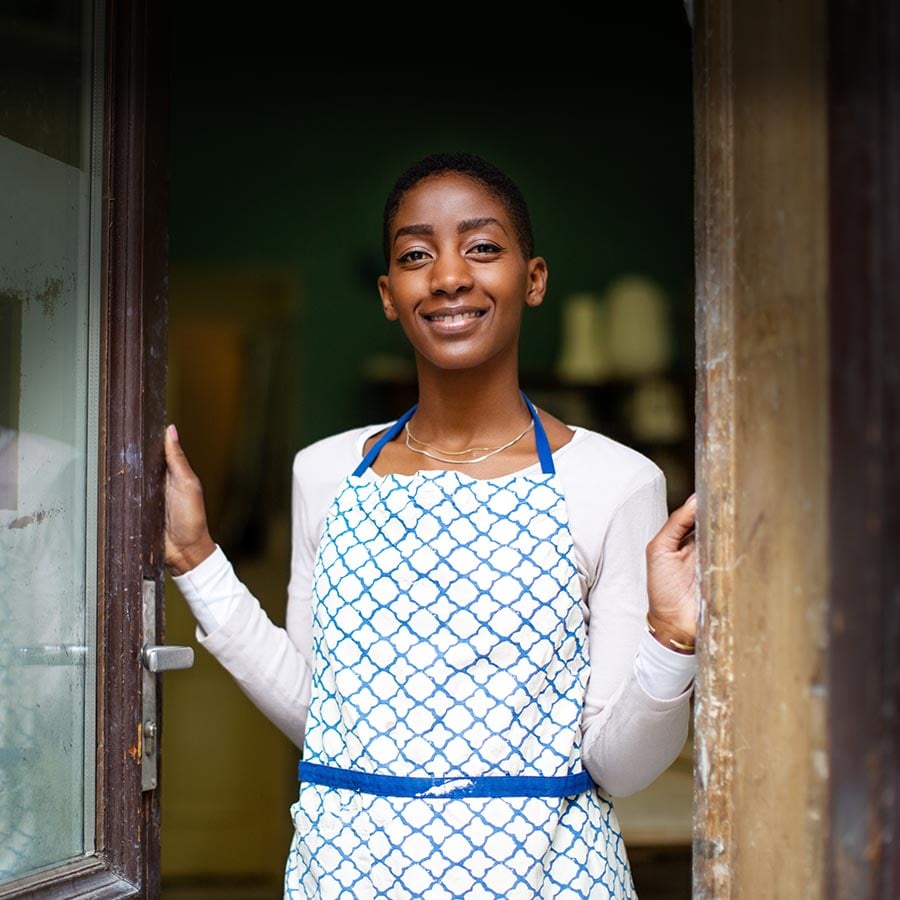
(455, 317)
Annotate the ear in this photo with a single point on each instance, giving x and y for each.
(537, 281)
(387, 304)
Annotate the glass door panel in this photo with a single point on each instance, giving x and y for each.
(50, 145)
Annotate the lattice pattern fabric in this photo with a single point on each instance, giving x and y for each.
(450, 643)
(360, 846)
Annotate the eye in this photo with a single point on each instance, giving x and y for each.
(485, 247)
(412, 256)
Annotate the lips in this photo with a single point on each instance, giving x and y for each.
(452, 321)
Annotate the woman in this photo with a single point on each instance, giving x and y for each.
(491, 618)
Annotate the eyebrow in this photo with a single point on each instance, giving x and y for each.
(472, 224)
(461, 227)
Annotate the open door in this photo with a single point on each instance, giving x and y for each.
(83, 168)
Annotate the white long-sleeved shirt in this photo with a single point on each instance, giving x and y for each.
(637, 704)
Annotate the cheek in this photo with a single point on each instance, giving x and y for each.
(510, 285)
(404, 291)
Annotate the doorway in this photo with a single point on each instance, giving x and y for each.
(276, 164)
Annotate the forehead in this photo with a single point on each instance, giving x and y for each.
(448, 196)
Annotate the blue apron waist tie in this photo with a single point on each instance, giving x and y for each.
(450, 788)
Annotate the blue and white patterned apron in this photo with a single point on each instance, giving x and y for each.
(443, 747)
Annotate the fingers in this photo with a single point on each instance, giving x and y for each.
(686, 514)
(677, 527)
(187, 538)
(175, 458)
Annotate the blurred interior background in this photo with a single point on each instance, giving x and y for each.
(280, 163)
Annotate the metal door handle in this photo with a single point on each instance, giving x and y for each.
(155, 658)
(166, 657)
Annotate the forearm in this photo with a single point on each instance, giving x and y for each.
(262, 658)
(636, 737)
(266, 664)
(640, 730)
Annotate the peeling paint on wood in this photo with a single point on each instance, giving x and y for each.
(134, 751)
(760, 755)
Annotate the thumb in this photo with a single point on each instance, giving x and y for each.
(677, 527)
(176, 461)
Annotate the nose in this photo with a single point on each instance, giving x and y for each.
(450, 275)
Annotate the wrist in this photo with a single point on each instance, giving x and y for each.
(190, 557)
(671, 636)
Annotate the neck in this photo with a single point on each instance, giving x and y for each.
(458, 408)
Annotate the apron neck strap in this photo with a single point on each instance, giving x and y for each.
(545, 456)
(389, 435)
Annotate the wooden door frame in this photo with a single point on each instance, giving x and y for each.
(125, 862)
(797, 218)
(862, 856)
(133, 421)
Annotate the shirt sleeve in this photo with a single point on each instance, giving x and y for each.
(211, 590)
(270, 664)
(637, 705)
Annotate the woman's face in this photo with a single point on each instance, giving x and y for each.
(457, 280)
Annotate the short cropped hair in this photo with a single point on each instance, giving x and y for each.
(495, 181)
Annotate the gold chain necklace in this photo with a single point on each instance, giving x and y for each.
(424, 448)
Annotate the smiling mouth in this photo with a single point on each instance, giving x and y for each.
(454, 318)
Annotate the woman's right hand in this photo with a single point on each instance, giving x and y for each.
(188, 541)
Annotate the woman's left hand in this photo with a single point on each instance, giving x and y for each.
(672, 577)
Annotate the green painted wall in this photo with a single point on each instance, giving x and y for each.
(286, 162)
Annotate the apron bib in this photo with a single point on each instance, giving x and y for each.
(442, 756)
